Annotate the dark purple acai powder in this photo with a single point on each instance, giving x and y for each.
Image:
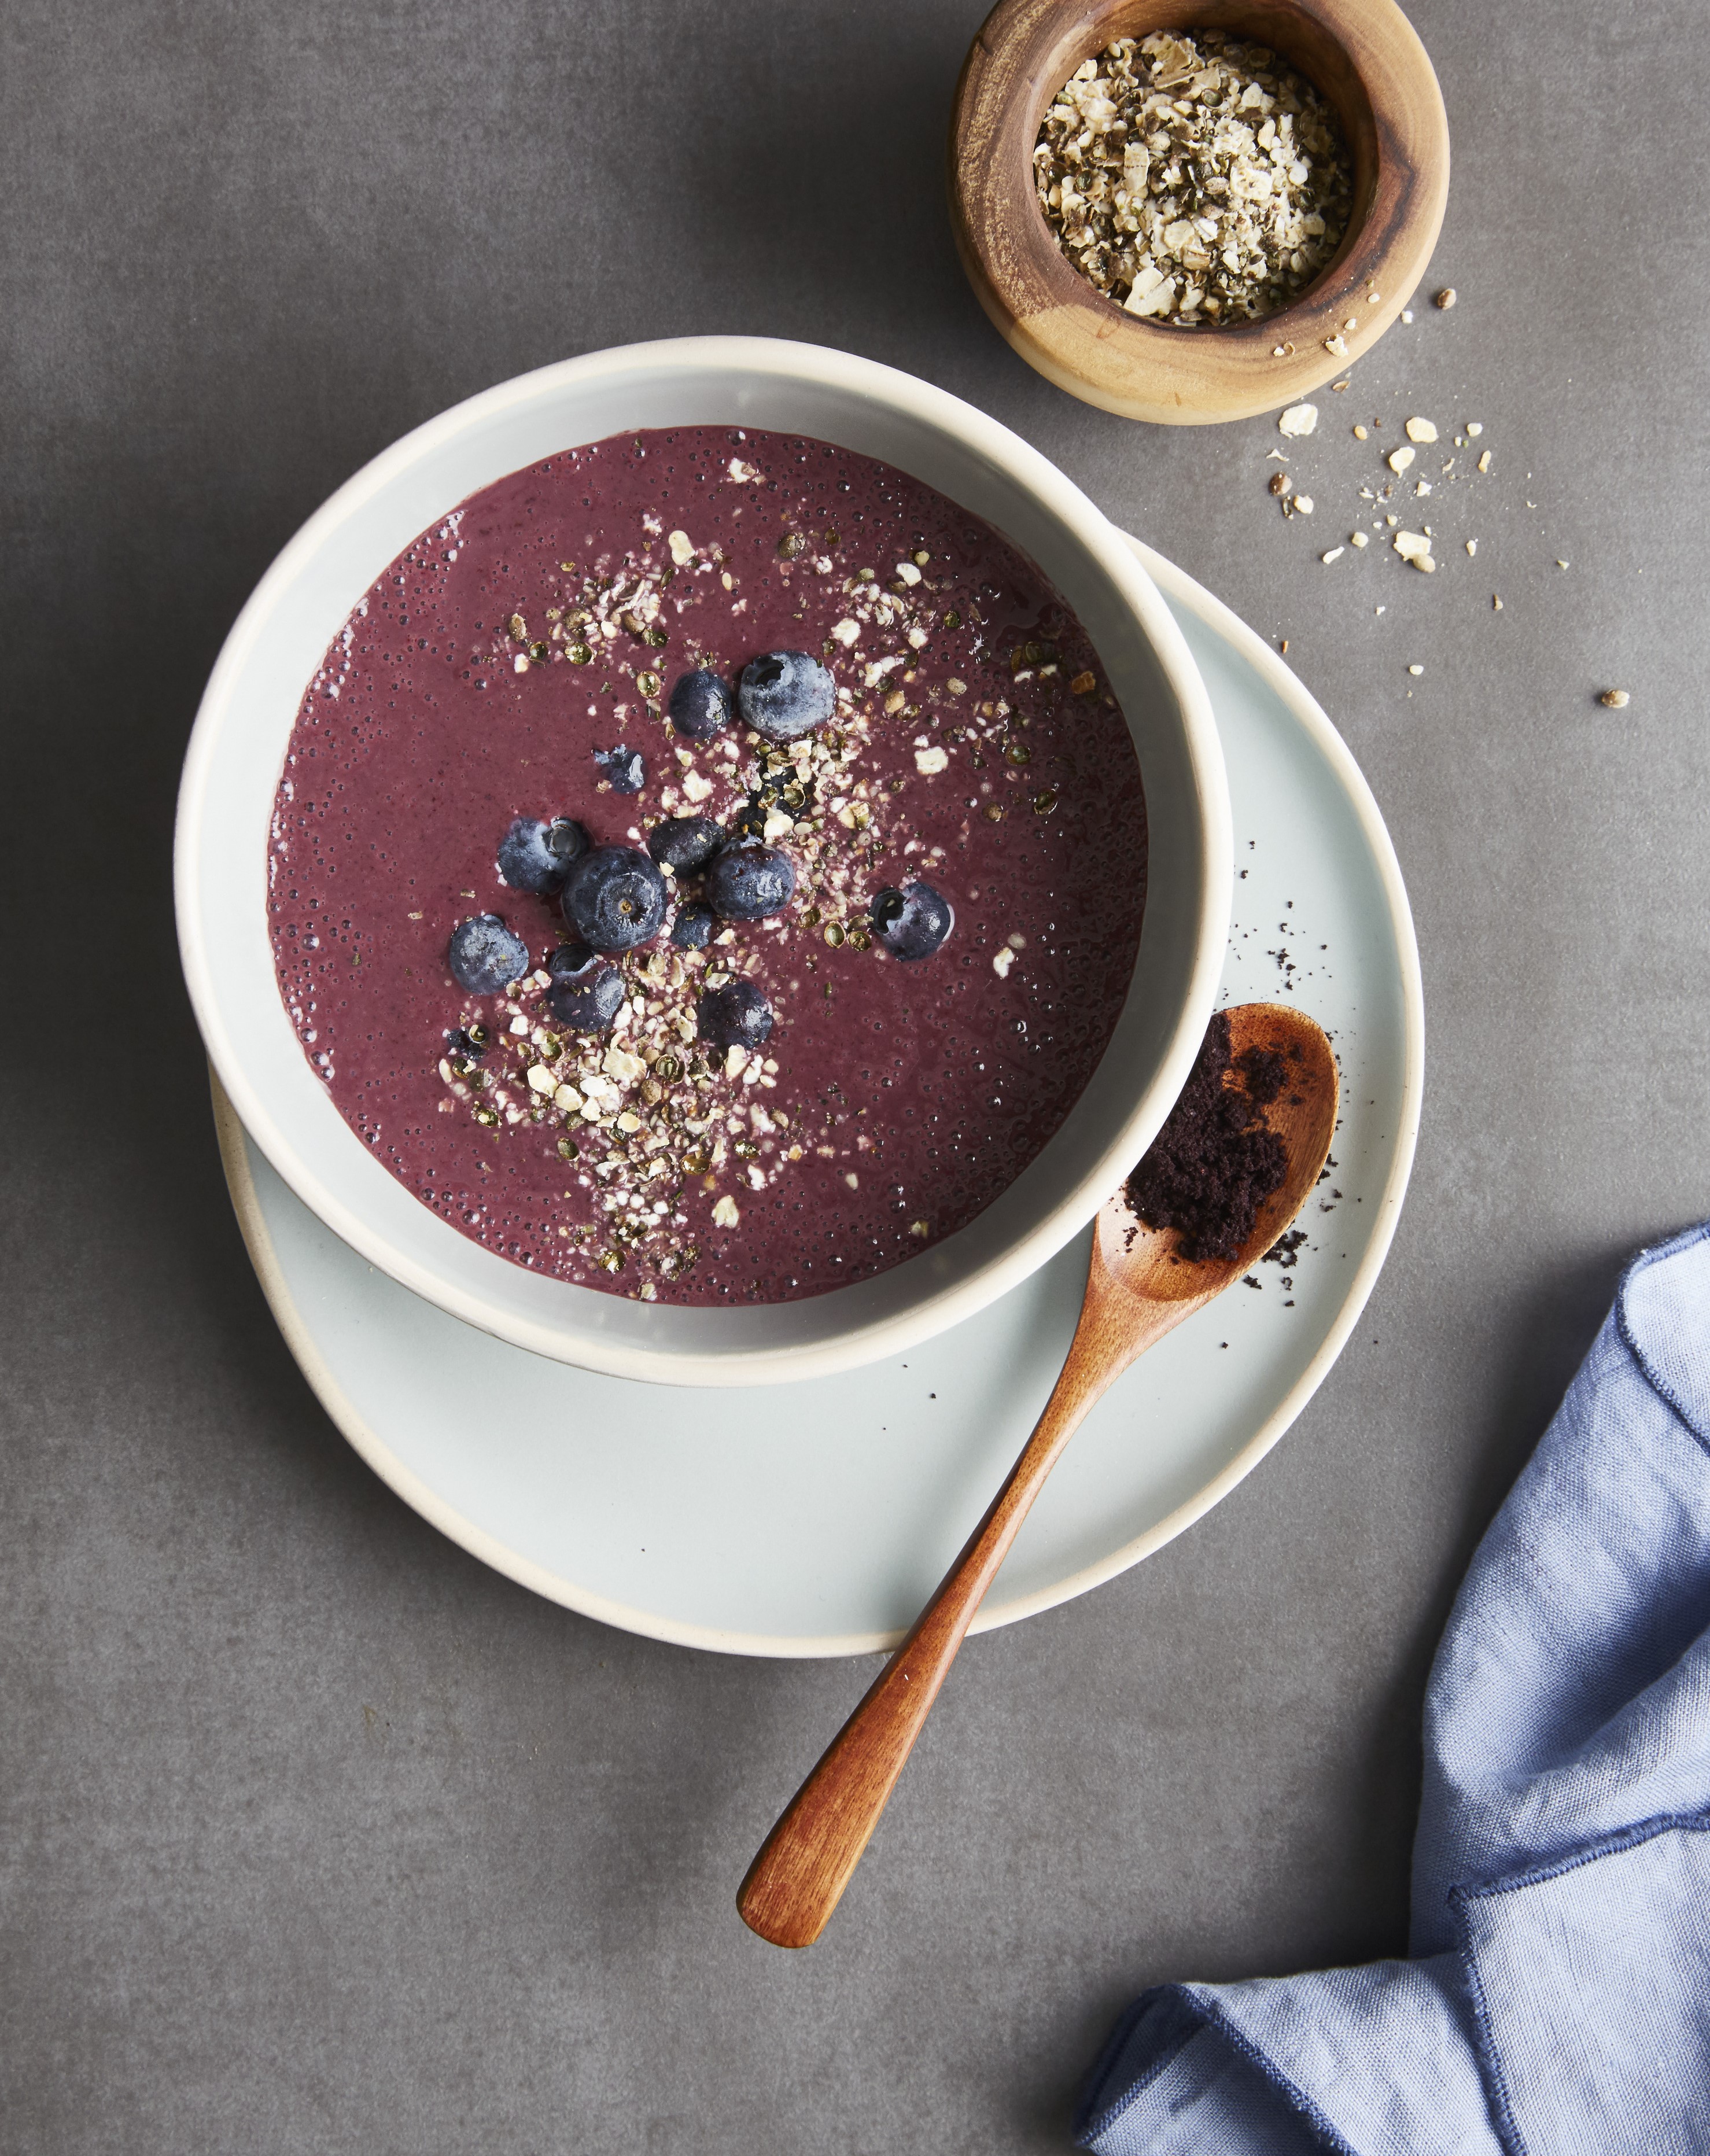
(1215, 1163)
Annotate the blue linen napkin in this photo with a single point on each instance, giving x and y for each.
(1558, 1999)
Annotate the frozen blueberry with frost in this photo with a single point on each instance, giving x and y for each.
(692, 929)
(751, 882)
(625, 768)
(614, 898)
(737, 1015)
(535, 854)
(784, 694)
(700, 705)
(485, 955)
(587, 992)
(686, 844)
(912, 922)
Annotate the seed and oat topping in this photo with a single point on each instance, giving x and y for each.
(1195, 180)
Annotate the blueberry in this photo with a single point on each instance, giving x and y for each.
(684, 842)
(751, 882)
(566, 841)
(614, 898)
(587, 994)
(536, 856)
(737, 1015)
(912, 922)
(786, 693)
(700, 705)
(485, 955)
(692, 929)
(625, 768)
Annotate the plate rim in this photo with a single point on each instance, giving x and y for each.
(299, 1339)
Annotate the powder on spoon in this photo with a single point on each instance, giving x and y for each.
(1215, 1163)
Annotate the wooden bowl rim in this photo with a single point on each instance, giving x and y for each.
(1085, 341)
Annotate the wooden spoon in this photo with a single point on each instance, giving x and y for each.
(1138, 1289)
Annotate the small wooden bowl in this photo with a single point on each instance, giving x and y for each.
(1366, 58)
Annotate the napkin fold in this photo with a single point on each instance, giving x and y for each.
(1557, 1998)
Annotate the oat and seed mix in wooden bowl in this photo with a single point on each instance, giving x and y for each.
(1193, 180)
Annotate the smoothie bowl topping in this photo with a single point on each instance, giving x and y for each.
(1194, 180)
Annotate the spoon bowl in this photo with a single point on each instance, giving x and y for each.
(1138, 1288)
(1145, 1262)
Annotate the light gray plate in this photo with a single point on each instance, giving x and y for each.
(815, 1519)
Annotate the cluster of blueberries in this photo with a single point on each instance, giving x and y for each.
(613, 899)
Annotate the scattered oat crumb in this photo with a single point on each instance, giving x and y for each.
(725, 1214)
(1445, 298)
(1399, 459)
(1407, 314)
(1472, 545)
(1334, 555)
(1484, 462)
(1338, 386)
(1415, 669)
(1336, 345)
(1495, 604)
(1617, 699)
(1359, 434)
(1560, 564)
(1421, 430)
(1358, 539)
(1299, 419)
(1302, 503)
(1475, 427)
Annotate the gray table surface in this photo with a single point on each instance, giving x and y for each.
(315, 1834)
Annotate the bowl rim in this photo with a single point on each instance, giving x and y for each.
(1085, 343)
(978, 434)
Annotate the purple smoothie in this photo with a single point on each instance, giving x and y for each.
(975, 747)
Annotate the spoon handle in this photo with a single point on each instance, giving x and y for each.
(807, 1859)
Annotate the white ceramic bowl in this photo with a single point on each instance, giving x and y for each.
(237, 750)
